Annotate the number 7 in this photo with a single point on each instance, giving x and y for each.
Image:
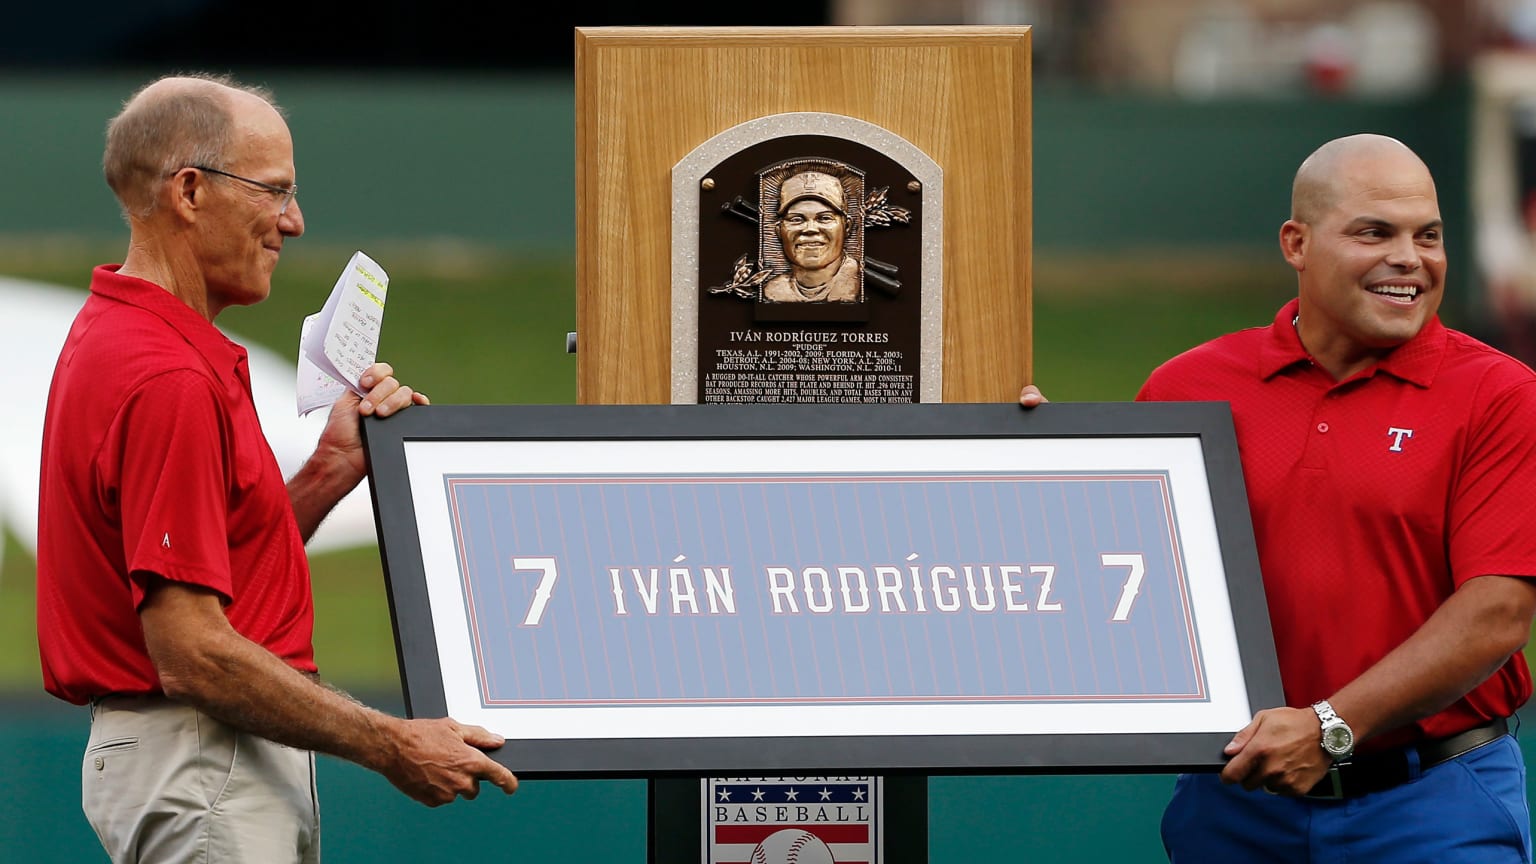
(546, 565)
(1132, 587)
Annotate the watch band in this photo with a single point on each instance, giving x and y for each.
(1337, 739)
(1325, 712)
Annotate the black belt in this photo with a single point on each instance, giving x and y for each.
(1380, 771)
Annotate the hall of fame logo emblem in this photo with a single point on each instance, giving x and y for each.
(792, 820)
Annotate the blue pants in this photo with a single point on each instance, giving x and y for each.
(1471, 809)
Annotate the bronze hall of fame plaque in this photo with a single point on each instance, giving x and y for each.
(806, 265)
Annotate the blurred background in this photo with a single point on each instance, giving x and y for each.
(439, 138)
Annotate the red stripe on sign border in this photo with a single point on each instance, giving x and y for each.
(756, 834)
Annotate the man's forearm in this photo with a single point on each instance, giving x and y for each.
(1467, 639)
(316, 490)
(246, 686)
(203, 662)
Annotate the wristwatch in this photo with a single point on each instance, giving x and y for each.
(1338, 738)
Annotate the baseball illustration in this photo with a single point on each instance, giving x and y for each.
(792, 846)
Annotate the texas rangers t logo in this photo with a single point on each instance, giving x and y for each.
(1397, 438)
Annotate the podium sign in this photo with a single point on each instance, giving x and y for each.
(757, 819)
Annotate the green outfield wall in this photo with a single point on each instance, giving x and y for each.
(492, 159)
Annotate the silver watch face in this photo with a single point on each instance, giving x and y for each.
(1338, 740)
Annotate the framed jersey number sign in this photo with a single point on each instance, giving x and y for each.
(644, 590)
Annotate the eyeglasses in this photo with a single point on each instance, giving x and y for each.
(287, 193)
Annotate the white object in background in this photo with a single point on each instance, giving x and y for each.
(1397, 48)
(32, 331)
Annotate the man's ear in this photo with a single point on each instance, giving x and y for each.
(185, 192)
(1294, 237)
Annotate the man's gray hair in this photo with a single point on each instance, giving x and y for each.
(169, 124)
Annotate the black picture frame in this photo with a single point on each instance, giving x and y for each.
(1107, 425)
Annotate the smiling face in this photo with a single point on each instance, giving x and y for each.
(243, 233)
(812, 234)
(1368, 250)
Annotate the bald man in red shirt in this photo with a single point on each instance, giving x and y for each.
(173, 589)
(1390, 464)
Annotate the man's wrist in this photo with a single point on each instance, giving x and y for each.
(1337, 739)
(328, 469)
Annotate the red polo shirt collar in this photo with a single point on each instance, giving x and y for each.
(209, 341)
(1415, 361)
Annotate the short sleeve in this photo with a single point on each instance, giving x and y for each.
(1493, 507)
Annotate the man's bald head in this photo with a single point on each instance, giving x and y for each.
(1325, 174)
(167, 125)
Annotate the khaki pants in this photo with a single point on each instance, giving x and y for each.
(164, 782)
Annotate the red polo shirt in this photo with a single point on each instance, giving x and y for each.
(1376, 497)
(154, 463)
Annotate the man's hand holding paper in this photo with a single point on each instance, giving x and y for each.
(339, 343)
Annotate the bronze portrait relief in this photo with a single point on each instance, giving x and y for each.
(810, 227)
(806, 266)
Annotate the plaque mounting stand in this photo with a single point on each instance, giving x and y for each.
(646, 97)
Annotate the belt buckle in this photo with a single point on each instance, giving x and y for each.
(1336, 784)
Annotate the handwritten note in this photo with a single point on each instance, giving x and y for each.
(338, 343)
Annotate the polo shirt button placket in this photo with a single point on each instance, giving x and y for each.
(1315, 454)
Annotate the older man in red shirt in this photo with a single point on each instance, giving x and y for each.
(173, 589)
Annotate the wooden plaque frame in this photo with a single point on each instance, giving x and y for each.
(646, 96)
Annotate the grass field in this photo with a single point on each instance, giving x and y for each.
(472, 326)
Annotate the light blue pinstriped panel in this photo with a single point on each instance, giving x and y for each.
(952, 553)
